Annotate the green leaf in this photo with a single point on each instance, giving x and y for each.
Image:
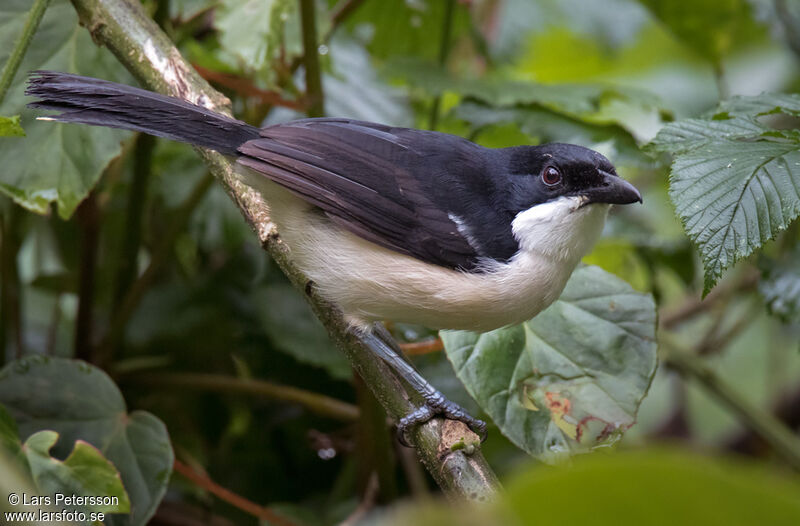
(654, 487)
(256, 33)
(81, 403)
(636, 111)
(780, 286)
(572, 377)
(9, 434)
(712, 28)
(542, 125)
(57, 163)
(735, 183)
(293, 329)
(395, 28)
(9, 127)
(84, 472)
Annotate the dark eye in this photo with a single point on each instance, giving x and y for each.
(551, 176)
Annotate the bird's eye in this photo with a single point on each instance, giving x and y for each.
(551, 176)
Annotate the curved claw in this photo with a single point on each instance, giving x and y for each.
(439, 405)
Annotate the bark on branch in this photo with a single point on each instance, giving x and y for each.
(123, 27)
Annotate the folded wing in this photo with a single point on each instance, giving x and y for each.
(372, 180)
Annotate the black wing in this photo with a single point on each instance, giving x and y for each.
(387, 185)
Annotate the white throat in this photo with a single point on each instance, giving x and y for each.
(561, 229)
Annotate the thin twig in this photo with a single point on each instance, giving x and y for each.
(318, 403)
(366, 504)
(316, 106)
(202, 480)
(694, 306)
(15, 59)
(424, 347)
(339, 13)
(246, 88)
(782, 440)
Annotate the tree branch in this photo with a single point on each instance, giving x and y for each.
(149, 55)
(318, 403)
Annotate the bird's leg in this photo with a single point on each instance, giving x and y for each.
(382, 343)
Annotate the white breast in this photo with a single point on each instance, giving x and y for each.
(371, 283)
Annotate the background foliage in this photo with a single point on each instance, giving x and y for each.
(209, 371)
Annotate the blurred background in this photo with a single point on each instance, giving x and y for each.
(144, 267)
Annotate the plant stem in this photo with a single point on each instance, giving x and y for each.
(15, 59)
(444, 50)
(131, 239)
(782, 440)
(376, 455)
(318, 403)
(160, 255)
(11, 323)
(316, 106)
(202, 480)
(89, 224)
(125, 29)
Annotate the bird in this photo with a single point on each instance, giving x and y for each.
(391, 223)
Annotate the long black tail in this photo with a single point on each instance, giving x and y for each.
(101, 103)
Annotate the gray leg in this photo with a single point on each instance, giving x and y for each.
(382, 343)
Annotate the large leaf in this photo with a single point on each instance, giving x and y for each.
(735, 182)
(253, 30)
(80, 402)
(711, 28)
(84, 472)
(646, 487)
(572, 377)
(288, 321)
(56, 162)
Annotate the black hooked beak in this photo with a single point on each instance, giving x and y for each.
(614, 190)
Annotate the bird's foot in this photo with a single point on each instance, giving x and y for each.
(436, 404)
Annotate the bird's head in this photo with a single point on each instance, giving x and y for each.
(558, 197)
(550, 171)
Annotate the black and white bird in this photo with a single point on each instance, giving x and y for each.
(392, 223)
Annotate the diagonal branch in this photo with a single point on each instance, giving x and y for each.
(123, 27)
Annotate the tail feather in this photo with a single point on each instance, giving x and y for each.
(97, 102)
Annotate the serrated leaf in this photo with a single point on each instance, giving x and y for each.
(695, 133)
(735, 183)
(80, 402)
(10, 127)
(57, 163)
(572, 377)
(763, 104)
(780, 286)
(84, 472)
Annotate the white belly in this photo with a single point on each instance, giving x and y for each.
(371, 283)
